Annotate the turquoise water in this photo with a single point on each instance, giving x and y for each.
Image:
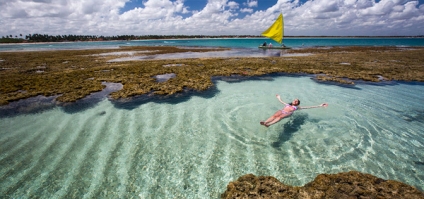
(250, 43)
(193, 146)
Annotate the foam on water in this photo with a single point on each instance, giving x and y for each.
(194, 147)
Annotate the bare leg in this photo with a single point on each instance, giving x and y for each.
(277, 119)
(276, 114)
(270, 119)
(274, 119)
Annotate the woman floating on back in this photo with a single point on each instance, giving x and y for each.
(286, 111)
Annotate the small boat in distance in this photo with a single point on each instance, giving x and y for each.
(276, 33)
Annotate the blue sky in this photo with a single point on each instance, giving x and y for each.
(212, 17)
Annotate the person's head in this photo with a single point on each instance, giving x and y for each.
(296, 102)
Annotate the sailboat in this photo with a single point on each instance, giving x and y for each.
(276, 33)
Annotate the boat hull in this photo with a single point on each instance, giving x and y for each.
(274, 47)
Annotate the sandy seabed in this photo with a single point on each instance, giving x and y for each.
(192, 146)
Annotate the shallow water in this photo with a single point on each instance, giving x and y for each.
(248, 43)
(213, 54)
(193, 146)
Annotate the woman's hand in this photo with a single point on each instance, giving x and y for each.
(279, 99)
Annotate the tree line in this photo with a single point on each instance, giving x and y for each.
(65, 38)
(72, 38)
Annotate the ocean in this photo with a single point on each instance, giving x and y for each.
(192, 146)
(238, 43)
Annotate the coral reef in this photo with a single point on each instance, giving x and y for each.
(74, 74)
(351, 184)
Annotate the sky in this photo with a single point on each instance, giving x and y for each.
(212, 17)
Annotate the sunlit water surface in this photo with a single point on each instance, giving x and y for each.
(194, 146)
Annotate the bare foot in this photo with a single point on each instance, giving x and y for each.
(263, 123)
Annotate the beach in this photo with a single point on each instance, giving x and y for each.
(153, 122)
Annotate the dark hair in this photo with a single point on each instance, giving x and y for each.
(298, 103)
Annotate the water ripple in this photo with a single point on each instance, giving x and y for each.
(193, 148)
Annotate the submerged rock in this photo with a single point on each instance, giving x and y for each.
(351, 184)
(102, 113)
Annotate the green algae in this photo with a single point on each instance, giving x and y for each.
(74, 74)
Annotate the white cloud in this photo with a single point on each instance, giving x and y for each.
(381, 8)
(349, 2)
(398, 8)
(155, 9)
(251, 3)
(408, 11)
(361, 4)
(321, 6)
(347, 18)
(105, 17)
(233, 5)
(246, 10)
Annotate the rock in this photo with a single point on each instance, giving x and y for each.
(351, 184)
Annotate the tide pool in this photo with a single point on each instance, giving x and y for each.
(193, 146)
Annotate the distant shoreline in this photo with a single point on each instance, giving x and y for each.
(172, 37)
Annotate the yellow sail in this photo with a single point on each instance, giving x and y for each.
(276, 31)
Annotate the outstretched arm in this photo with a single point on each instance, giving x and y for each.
(307, 107)
(279, 99)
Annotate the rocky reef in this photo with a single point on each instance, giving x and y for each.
(351, 184)
(74, 74)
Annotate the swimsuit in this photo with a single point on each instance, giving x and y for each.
(284, 112)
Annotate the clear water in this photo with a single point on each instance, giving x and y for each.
(192, 147)
(250, 43)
